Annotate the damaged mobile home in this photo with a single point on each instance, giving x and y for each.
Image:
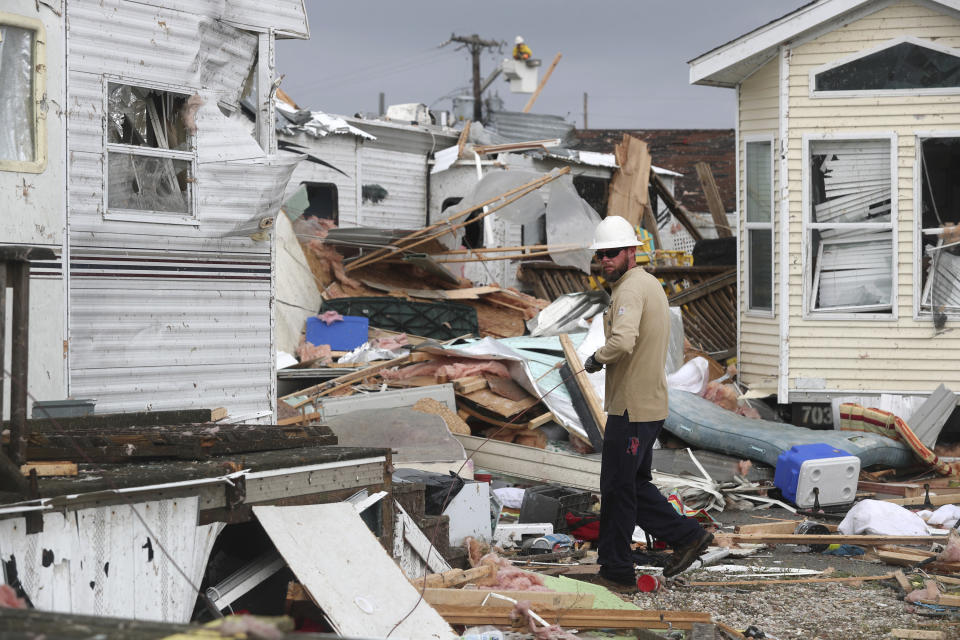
(846, 197)
(128, 163)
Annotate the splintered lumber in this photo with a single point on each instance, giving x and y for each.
(426, 234)
(301, 419)
(330, 386)
(905, 558)
(498, 404)
(493, 422)
(760, 581)
(577, 618)
(717, 212)
(786, 526)
(589, 393)
(862, 540)
(935, 500)
(454, 577)
(630, 184)
(902, 580)
(462, 140)
(114, 421)
(218, 414)
(476, 598)
(50, 469)
(543, 83)
(917, 634)
(678, 210)
(184, 442)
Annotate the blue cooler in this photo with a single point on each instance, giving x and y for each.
(832, 471)
(343, 335)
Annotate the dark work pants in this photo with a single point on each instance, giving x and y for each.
(628, 498)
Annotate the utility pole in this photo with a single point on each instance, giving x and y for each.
(475, 45)
(585, 125)
(383, 103)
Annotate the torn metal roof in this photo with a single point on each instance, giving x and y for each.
(516, 125)
(314, 123)
(595, 159)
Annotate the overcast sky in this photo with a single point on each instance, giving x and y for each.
(629, 56)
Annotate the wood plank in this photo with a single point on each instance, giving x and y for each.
(892, 488)
(909, 560)
(543, 83)
(50, 468)
(513, 426)
(761, 581)
(113, 421)
(361, 571)
(476, 597)
(785, 527)
(218, 414)
(469, 384)
(589, 393)
(935, 499)
(330, 386)
(862, 540)
(301, 419)
(498, 404)
(715, 204)
(917, 634)
(578, 618)
(902, 580)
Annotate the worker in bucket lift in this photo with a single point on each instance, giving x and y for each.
(636, 326)
(520, 49)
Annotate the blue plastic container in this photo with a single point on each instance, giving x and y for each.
(787, 474)
(344, 335)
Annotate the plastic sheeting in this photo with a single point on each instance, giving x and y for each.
(16, 94)
(879, 518)
(567, 214)
(568, 314)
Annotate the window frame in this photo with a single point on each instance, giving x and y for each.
(39, 162)
(749, 226)
(807, 225)
(919, 137)
(928, 44)
(138, 215)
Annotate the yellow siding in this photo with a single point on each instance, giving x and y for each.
(759, 113)
(896, 355)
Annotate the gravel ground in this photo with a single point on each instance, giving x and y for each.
(824, 611)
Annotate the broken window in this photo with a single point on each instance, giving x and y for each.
(759, 225)
(939, 215)
(150, 157)
(21, 66)
(850, 230)
(323, 201)
(901, 66)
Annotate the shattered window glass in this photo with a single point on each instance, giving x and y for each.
(145, 183)
(850, 230)
(17, 123)
(149, 150)
(939, 220)
(902, 66)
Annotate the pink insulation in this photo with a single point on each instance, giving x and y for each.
(307, 351)
(509, 577)
(951, 553)
(929, 593)
(9, 599)
(329, 317)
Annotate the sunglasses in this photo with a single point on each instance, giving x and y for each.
(607, 253)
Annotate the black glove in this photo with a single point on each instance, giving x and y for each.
(591, 365)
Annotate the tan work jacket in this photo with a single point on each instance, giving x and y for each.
(637, 328)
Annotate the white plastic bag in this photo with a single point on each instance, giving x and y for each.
(879, 518)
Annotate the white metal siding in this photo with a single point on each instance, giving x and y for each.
(404, 176)
(890, 355)
(341, 152)
(166, 316)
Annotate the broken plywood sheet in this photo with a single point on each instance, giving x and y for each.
(498, 404)
(362, 592)
(414, 436)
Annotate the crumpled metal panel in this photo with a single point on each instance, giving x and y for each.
(245, 189)
(404, 177)
(522, 127)
(286, 17)
(219, 138)
(339, 151)
(160, 45)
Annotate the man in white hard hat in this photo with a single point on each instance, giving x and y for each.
(637, 328)
(520, 49)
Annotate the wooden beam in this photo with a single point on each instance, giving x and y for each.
(476, 597)
(543, 83)
(454, 577)
(862, 540)
(892, 488)
(761, 581)
(50, 469)
(902, 580)
(578, 618)
(329, 386)
(917, 634)
(935, 500)
(462, 140)
(589, 393)
(678, 210)
(714, 202)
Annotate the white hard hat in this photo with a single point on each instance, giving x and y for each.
(519, 40)
(614, 232)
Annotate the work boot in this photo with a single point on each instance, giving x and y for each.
(617, 583)
(686, 555)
